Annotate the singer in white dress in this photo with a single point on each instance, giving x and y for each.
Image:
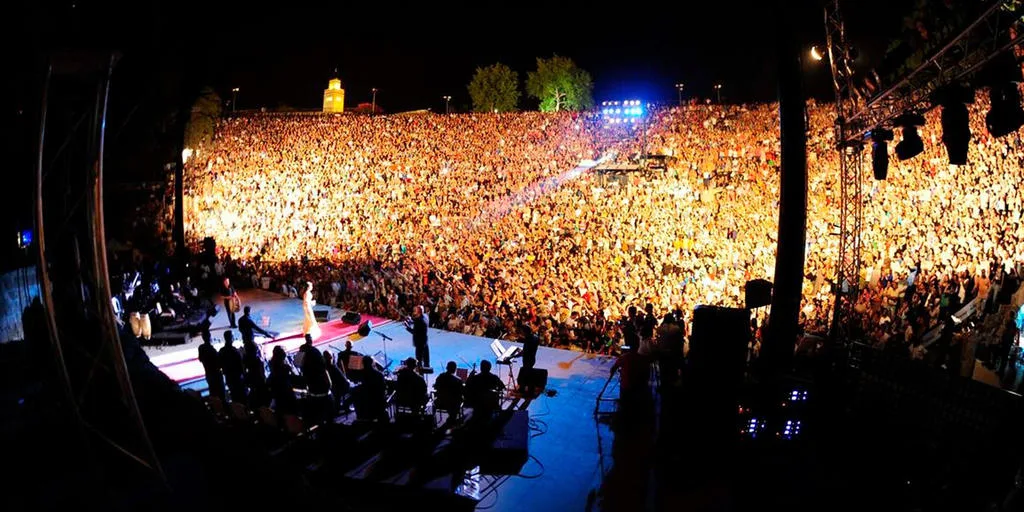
(309, 325)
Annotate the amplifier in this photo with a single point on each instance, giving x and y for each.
(532, 382)
(321, 314)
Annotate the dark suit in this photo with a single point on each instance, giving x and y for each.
(255, 376)
(211, 363)
(226, 293)
(482, 392)
(231, 364)
(530, 344)
(419, 340)
(449, 392)
(371, 399)
(248, 329)
(410, 389)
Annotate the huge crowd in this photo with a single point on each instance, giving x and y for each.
(482, 218)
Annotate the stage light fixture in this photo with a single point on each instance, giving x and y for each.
(1005, 115)
(880, 139)
(910, 144)
(956, 128)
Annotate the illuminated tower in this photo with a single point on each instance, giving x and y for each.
(334, 96)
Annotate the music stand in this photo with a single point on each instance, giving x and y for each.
(506, 357)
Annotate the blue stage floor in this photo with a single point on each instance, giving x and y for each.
(566, 465)
(567, 455)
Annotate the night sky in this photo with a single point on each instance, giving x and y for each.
(283, 52)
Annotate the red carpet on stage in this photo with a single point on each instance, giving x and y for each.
(192, 369)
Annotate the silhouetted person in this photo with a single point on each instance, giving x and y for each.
(648, 323)
(483, 390)
(417, 325)
(371, 395)
(410, 388)
(449, 391)
(231, 365)
(339, 384)
(211, 364)
(636, 375)
(255, 375)
(248, 328)
(630, 333)
(345, 355)
(280, 382)
(318, 382)
(669, 341)
(530, 344)
(229, 296)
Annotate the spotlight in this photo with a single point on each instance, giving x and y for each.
(910, 144)
(956, 128)
(880, 139)
(815, 54)
(1005, 115)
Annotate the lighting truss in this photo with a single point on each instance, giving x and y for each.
(986, 37)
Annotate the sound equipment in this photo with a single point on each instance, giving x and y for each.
(717, 361)
(718, 344)
(511, 449)
(321, 315)
(532, 381)
(364, 328)
(167, 339)
(209, 245)
(351, 318)
(758, 293)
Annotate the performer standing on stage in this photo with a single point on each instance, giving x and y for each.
(231, 302)
(309, 325)
(248, 327)
(417, 325)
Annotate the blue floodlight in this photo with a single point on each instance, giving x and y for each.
(24, 238)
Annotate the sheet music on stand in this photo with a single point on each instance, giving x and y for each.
(505, 354)
(382, 361)
(355, 363)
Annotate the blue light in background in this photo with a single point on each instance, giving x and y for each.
(24, 238)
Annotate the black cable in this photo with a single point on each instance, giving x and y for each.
(492, 489)
(533, 477)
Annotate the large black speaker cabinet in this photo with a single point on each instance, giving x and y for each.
(351, 318)
(532, 381)
(758, 293)
(718, 344)
(321, 314)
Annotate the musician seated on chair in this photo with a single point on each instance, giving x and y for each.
(410, 388)
(371, 394)
(449, 390)
(483, 389)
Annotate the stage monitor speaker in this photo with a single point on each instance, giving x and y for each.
(758, 293)
(364, 328)
(321, 315)
(511, 449)
(351, 318)
(532, 381)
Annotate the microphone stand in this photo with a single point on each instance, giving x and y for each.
(384, 340)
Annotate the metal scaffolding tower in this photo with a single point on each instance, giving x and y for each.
(994, 31)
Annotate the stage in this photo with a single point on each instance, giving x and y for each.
(566, 458)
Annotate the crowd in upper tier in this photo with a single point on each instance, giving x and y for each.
(488, 220)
